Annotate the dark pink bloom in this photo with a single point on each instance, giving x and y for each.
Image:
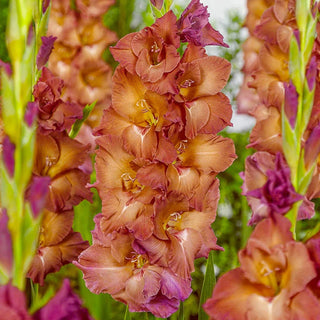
(312, 147)
(5, 244)
(268, 187)
(54, 114)
(278, 192)
(6, 67)
(12, 304)
(31, 112)
(312, 73)
(8, 155)
(115, 264)
(45, 5)
(45, 50)
(37, 193)
(194, 26)
(291, 102)
(157, 3)
(64, 305)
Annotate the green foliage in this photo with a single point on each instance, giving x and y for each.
(3, 22)
(207, 287)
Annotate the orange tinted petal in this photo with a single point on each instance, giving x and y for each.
(214, 75)
(209, 153)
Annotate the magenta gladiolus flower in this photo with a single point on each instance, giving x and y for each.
(12, 304)
(194, 26)
(45, 50)
(37, 193)
(8, 155)
(5, 244)
(157, 3)
(64, 305)
(268, 188)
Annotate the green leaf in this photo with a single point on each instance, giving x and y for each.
(295, 64)
(8, 192)
(302, 10)
(180, 312)
(77, 125)
(127, 315)
(39, 301)
(289, 141)
(207, 287)
(8, 113)
(29, 235)
(310, 36)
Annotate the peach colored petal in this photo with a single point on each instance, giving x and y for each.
(166, 152)
(147, 70)
(113, 164)
(72, 246)
(207, 194)
(193, 52)
(214, 75)
(55, 227)
(122, 52)
(263, 308)
(284, 34)
(231, 295)
(47, 260)
(140, 142)
(154, 176)
(274, 61)
(102, 273)
(300, 269)
(183, 249)
(68, 190)
(128, 97)
(305, 305)
(166, 28)
(72, 153)
(266, 135)
(197, 116)
(209, 153)
(256, 167)
(182, 179)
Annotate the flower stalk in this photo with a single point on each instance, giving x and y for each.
(24, 29)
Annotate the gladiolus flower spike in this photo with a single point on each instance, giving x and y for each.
(157, 162)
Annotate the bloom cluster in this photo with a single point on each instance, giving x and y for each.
(277, 277)
(271, 96)
(158, 158)
(64, 305)
(77, 56)
(61, 171)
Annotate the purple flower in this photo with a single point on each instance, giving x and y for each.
(64, 305)
(6, 67)
(37, 193)
(268, 187)
(8, 155)
(13, 304)
(157, 3)
(45, 50)
(31, 114)
(291, 102)
(194, 26)
(5, 244)
(312, 73)
(312, 147)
